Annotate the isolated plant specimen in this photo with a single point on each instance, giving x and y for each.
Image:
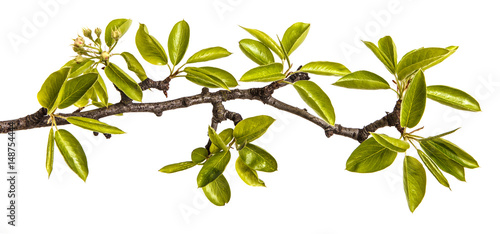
(79, 83)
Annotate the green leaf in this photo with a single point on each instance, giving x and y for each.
(413, 104)
(213, 168)
(149, 48)
(455, 153)
(218, 192)
(325, 68)
(388, 63)
(84, 100)
(124, 82)
(199, 155)
(414, 181)
(449, 166)
(317, 99)
(134, 65)
(452, 97)
(247, 174)
(440, 135)
(49, 160)
(176, 167)
(100, 89)
(266, 40)
(433, 168)
(93, 125)
(265, 73)
(216, 139)
(388, 142)
(256, 51)
(208, 54)
(294, 36)
(370, 156)
(178, 41)
(362, 80)
(204, 77)
(220, 74)
(258, 159)
(118, 24)
(78, 68)
(72, 152)
(423, 58)
(50, 89)
(226, 135)
(75, 89)
(252, 128)
(388, 48)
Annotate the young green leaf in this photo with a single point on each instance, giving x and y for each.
(433, 168)
(388, 48)
(123, 81)
(252, 128)
(370, 156)
(178, 41)
(208, 54)
(317, 99)
(84, 100)
(201, 77)
(93, 125)
(413, 104)
(78, 68)
(258, 159)
(100, 89)
(256, 51)
(213, 168)
(218, 192)
(72, 152)
(325, 68)
(265, 73)
(423, 58)
(294, 36)
(414, 181)
(199, 155)
(176, 167)
(362, 80)
(388, 142)
(220, 74)
(440, 135)
(216, 139)
(49, 160)
(447, 165)
(388, 63)
(75, 89)
(134, 65)
(455, 153)
(121, 25)
(452, 97)
(149, 48)
(247, 174)
(50, 89)
(266, 40)
(226, 135)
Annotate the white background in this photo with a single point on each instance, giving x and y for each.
(311, 192)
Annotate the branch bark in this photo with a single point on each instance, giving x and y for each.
(263, 94)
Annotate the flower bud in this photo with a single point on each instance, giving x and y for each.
(116, 34)
(105, 56)
(79, 41)
(79, 59)
(87, 32)
(98, 32)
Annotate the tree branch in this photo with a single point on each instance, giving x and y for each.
(263, 94)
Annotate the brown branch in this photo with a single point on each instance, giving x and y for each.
(263, 94)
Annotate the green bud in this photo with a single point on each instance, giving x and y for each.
(116, 35)
(79, 41)
(105, 56)
(98, 32)
(79, 59)
(87, 33)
